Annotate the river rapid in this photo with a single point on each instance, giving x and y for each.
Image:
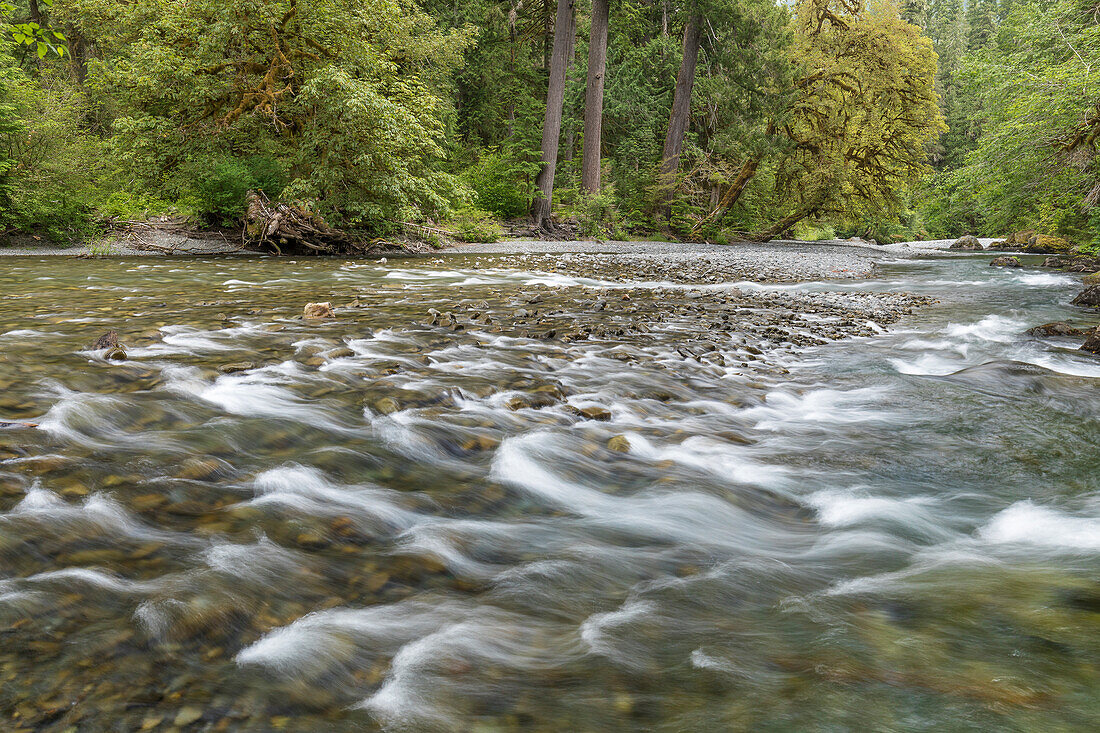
(484, 498)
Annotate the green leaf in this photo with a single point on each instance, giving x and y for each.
(42, 50)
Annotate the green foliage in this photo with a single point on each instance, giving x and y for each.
(810, 232)
(51, 166)
(597, 214)
(220, 190)
(1028, 156)
(501, 183)
(471, 224)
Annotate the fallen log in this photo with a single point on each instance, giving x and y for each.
(292, 229)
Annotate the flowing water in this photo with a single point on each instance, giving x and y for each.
(258, 522)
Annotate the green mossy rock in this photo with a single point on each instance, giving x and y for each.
(1046, 244)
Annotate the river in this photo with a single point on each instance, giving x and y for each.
(405, 519)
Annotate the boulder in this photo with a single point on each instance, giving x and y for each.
(619, 444)
(108, 340)
(1055, 262)
(967, 243)
(1020, 237)
(1092, 343)
(591, 412)
(1090, 297)
(1058, 328)
(1046, 244)
(995, 246)
(1092, 279)
(318, 310)
(1005, 262)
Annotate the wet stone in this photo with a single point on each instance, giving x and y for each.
(591, 412)
(619, 444)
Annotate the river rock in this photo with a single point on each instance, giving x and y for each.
(591, 412)
(318, 310)
(1020, 238)
(1058, 328)
(186, 716)
(1090, 297)
(242, 366)
(108, 340)
(387, 406)
(1046, 244)
(968, 243)
(1092, 279)
(994, 246)
(619, 444)
(1005, 262)
(204, 469)
(1092, 343)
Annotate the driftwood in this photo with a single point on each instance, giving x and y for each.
(11, 424)
(292, 229)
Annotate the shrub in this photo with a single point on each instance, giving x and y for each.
(499, 182)
(221, 190)
(597, 214)
(474, 225)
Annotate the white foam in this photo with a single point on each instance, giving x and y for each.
(308, 490)
(597, 629)
(1027, 523)
(821, 409)
(844, 508)
(997, 328)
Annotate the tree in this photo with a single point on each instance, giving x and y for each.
(348, 101)
(864, 112)
(680, 116)
(593, 101)
(1034, 163)
(555, 96)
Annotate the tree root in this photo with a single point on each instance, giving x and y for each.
(291, 229)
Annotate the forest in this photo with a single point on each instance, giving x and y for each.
(705, 120)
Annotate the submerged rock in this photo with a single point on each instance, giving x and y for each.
(1057, 328)
(1005, 262)
(967, 243)
(1090, 297)
(242, 366)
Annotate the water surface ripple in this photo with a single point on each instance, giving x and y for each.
(490, 499)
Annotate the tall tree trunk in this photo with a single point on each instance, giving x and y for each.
(681, 103)
(78, 55)
(551, 128)
(593, 97)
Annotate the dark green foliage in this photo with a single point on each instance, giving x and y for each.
(474, 225)
(221, 188)
(501, 183)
